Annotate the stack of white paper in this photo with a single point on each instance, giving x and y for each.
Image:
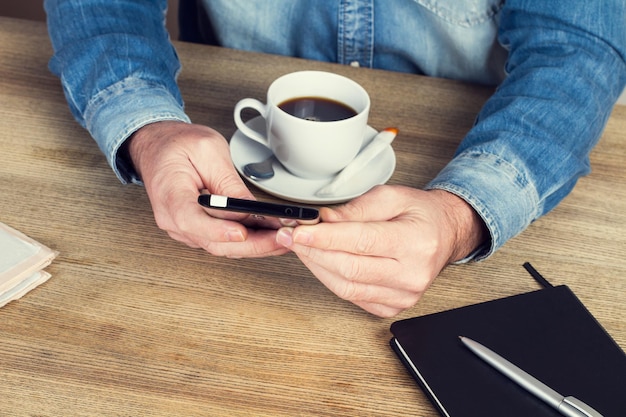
(22, 260)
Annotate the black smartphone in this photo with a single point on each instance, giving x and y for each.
(259, 208)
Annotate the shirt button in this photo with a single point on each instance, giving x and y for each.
(355, 64)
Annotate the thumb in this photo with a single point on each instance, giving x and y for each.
(229, 183)
(220, 176)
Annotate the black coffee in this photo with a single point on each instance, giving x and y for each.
(317, 109)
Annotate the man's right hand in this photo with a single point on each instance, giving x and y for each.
(176, 161)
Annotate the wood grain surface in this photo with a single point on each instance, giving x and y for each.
(133, 323)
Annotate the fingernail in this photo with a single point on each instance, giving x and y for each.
(288, 222)
(234, 236)
(285, 236)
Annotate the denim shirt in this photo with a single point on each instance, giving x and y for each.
(559, 66)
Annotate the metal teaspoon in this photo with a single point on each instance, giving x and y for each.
(260, 170)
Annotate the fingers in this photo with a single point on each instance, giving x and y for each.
(258, 243)
(372, 290)
(320, 250)
(212, 163)
(379, 239)
(382, 271)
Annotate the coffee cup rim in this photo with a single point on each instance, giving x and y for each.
(362, 105)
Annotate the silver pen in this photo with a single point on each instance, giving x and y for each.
(568, 406)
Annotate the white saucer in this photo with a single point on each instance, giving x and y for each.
(290, 187)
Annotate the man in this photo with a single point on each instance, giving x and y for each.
(560, 66)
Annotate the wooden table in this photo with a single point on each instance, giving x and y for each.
(133, 323)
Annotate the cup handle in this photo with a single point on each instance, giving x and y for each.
(258, 106)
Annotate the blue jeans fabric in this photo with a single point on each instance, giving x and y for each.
(559, 67)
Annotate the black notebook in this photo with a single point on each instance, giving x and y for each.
(548, 333)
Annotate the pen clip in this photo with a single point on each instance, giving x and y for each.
(574, 407)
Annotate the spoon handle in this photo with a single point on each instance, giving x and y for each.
(375, 147)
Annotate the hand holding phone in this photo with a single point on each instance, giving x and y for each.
(259, 208)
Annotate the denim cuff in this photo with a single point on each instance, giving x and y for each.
(120, 110)
(500, 193)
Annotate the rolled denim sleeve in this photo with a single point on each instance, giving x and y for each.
(117, 67)
(532, 139)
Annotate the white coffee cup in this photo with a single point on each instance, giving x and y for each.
(310, 148)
